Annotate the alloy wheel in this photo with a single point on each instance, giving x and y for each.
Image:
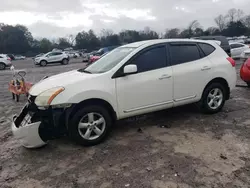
(215, 98)
(92, 126)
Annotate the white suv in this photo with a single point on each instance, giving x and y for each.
(52, 57)
(134, 79)
(5, 61)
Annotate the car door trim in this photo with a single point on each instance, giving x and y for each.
(184, 98)
(148, 106)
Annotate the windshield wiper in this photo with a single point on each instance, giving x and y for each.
(85, 71)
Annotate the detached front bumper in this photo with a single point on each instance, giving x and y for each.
(34, 127)
(28, 134)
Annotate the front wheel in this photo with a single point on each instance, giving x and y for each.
(90, 125)
(213, 98)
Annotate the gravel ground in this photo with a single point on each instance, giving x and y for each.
(177, 148)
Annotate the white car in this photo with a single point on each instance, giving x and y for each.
(5, 61)
(131, 80)
(245, 55)
(52, 57)
(237, 49)
(19, 57)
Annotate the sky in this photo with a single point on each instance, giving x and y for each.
(59, 18)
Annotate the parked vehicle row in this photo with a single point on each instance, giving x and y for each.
(130, 80)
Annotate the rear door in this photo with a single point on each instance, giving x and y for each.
(58, 56)
(191, 71)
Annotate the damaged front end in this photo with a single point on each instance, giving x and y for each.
(34, 126)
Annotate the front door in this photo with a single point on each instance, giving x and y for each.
(151, 88)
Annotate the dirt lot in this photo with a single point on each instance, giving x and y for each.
(177, 148)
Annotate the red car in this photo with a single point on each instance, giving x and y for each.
(94, 58)
(245, 72)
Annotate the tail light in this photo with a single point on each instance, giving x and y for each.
(231, 60)
(9, 58)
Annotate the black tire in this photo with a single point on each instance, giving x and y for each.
(248, 84)
(204, 100)
(73, 125)
(2, 66)
(65, 61)
(17, 98)
(43, 63)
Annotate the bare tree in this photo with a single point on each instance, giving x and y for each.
(71, 39)
(106, 32)
(221, 22)
(172, 33)
(232, 14)
(247, 21)
(193, 26)
(240, 14)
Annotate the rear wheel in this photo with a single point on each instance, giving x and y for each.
(2, 66)
(248, 84)
(65, 61)
(213, 98)
(43, 63)
(90, 125)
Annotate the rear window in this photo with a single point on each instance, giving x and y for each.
(206, 48)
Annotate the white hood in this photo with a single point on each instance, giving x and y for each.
(63, 80)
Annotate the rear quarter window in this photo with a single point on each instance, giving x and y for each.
(206, 48)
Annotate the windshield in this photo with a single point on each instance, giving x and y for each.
(108, 61)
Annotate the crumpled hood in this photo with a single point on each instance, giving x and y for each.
(62, 79)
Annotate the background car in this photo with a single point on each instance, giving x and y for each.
(92, 59)
(224, 42)
(245, 72)
(237, 49)
(5, 61)
(19, 57)
(12, 57)
(245, 55)
(52, 57)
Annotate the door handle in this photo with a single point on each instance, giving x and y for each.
(165, 76)
(206, 68)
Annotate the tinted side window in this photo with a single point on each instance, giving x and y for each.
(151, 59)
(236, 46)
(183, 53)
(1, 57)
(57, 53)
(206, 48)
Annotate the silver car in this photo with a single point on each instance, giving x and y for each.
(52, 57)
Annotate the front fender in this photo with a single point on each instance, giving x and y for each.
(68, 98)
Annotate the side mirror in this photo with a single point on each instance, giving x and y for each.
(130, 69)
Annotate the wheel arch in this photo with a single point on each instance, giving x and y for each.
(43, 60)
(92, 101)
(222, 81)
